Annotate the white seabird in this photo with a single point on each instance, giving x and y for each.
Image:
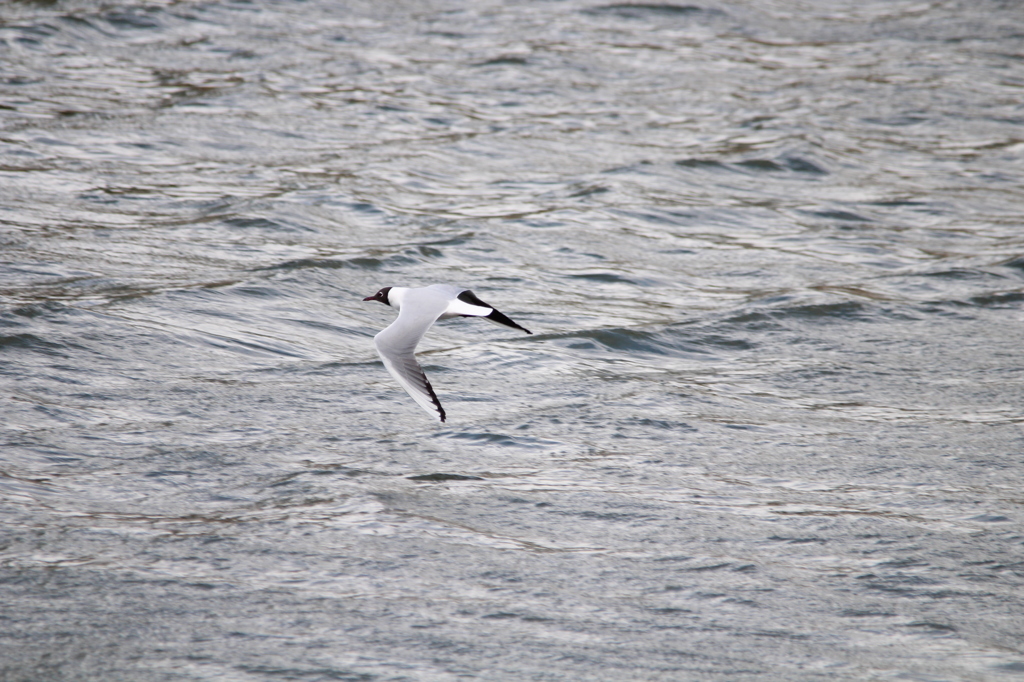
(418, 309)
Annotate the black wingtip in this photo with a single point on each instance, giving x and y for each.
(504, 319)
(433, 397)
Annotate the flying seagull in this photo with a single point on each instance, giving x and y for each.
(418, 309)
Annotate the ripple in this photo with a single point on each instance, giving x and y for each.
(441, 477)
(780, 164)
(356, 263)
(652, 10)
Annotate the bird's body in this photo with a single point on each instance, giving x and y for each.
(418, 309)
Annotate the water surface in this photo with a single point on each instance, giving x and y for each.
(768, 425)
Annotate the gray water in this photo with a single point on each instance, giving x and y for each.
(768, 427)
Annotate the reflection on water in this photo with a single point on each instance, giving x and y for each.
(768, 425)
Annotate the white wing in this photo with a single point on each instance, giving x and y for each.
(397, 346)
(464, 303)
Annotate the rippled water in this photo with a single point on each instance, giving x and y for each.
(769, 425)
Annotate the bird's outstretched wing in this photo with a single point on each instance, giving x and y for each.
(492, 314)
(397, 348)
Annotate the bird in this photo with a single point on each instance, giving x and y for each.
(418, 309)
